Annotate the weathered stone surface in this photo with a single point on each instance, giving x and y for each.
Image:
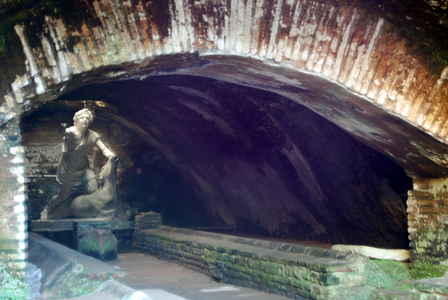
(122, 230)
(32, 280)
(390, 295)
(67, 273)
(149, 220)
(437, 286)
(99, 243)
(117, 290)
(428, 220)
(376, 253)
(295, 271)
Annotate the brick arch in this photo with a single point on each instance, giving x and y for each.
(347, 45)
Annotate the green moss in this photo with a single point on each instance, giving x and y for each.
(379, 274)
(422, 270)
(109, 246)
(397, 270)
(377, 277)
(76, 281)
(88, 245)
(11, 288)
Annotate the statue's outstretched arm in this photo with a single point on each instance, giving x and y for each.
(104, 149)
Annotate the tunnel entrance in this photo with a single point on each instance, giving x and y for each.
(212, 154)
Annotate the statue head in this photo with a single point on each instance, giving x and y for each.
(84, 111)
(83, 118)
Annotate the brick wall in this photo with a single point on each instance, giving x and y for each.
(148, 220)
(294, 271)
(428, 220)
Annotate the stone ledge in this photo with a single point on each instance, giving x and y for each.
(317, 259)
(272, 245)
(429, 289)
(69, 224)
(390, 295)
(62, 267)
(293, 270)
(432, 285)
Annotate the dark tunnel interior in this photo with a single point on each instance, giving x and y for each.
(210, 154)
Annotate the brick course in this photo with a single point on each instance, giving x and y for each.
(294, 271)
(428, 220)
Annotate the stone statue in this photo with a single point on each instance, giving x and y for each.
(103, 203)
(74, 170)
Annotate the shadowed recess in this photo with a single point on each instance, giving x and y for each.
(225, 155)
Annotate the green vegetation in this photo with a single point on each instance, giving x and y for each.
(86, 246)
(379, 274)
(109, 246)
(76, 281)
(397, 271)
(10, 287)
(388, 274)
(79, 287)
(422, 270)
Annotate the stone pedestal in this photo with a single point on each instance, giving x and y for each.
(99, 243)
(69, 232)
(122, 230)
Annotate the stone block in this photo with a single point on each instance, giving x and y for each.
(100, 244)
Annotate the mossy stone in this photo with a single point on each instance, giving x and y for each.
(100, 244)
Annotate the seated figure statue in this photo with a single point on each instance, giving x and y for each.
(104, 202)
(74, 170)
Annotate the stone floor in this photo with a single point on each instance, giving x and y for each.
(162, 280)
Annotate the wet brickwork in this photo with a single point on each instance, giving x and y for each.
(428, 220)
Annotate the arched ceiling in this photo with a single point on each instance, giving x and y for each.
(419, 153)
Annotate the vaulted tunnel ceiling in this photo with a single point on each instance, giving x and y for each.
(419, 153)
(251, 159)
